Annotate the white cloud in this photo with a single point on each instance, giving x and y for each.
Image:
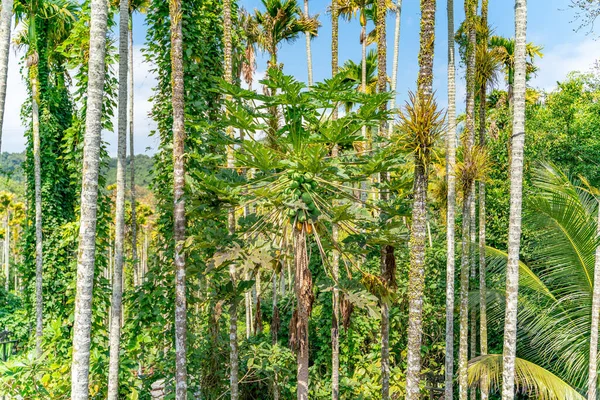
(13, 139)
(563, 58)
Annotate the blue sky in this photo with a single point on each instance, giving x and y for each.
(551, 25)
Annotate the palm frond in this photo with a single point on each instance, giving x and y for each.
(530, 378)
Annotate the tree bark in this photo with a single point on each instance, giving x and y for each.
(233, 334)
(516, 200)
(450, 218)
(5, 27)
(483, 340)
(308, 50)
(117, 282)
(33, 73)
(468, 187)
(134, 255)
(385, 272)
(177, 80)
(397, 25)
(418, 231)
(593, 361)
(335, 325)
(89, 203)
(304, 297)
(473, 276)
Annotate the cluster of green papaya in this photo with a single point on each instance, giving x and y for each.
(300, 187)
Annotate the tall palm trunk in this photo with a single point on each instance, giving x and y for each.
(469, 190)
(516, 200)
(117, 281)
(593, 360)
(450, 219)
(387, 263)
(233, 334)
(89, 203)
(473, 276)
(35, 114)
(308, 51)
(304, 296)
(134, 256)
(398, 11)
(483, 339)
(335, 325)
(5, 27)
(418, 232)
(176, 15)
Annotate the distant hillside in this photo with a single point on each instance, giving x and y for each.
(12, 176)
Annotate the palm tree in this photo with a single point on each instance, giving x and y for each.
(5, 28)
(424, 134)
(506, 49)
(388, 261)
(176, 14)
(233, 334)
(281, 21)
(335, 326)
(89, 196)
(486, 70)
(450, 218)
(516, 199)
(134, 6)
(117, 281)
(469, 198)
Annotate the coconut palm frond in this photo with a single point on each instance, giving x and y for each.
(496, 261)
(530, 378)
(565, 214)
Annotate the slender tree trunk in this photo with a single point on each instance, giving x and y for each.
(468, 187)
(483, 340)
(593, 361)
(248, 307)
(304, 296)
(89, 203)
(398, 12)
(473, 275)
(308, 51)
(5, 28)
(335, 325)
(134, 255)
(117, 284)
(363, 67)
(178, 198)
(387, 263)
(39, 305)
(450, 219)
(516, 200)
(233, 334)
(418, 232)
